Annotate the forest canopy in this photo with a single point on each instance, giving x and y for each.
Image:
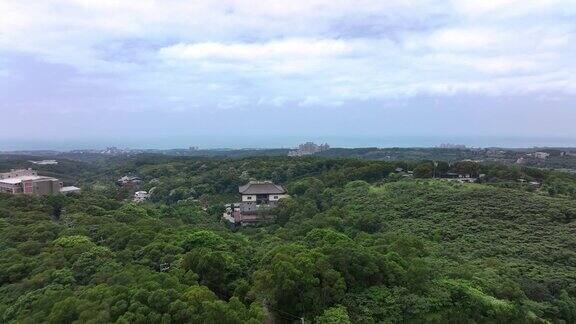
(357, 242)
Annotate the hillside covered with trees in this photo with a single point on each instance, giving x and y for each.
(357, 242)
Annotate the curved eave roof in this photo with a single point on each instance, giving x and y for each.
(260, 188)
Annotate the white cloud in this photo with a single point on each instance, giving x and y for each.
(514, 8)
(231, 53)
(277, 49)
(464, 39)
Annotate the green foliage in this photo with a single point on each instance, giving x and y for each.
(297, 280)
(334, 315)
(424, 170)
(352, 245)
(204, 239)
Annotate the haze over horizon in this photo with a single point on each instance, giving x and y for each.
(240, 73)
(204, 143)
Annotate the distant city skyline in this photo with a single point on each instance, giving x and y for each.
(244, 73)
(287, 143)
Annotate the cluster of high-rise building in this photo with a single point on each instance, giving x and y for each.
(452, 146)
(309, 148)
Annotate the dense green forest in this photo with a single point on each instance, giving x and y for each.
(359, 241)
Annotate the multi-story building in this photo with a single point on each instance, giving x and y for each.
(541, 155)
(258, 197)
(141, 196)
(261, 192)
(129, 181)
(27, 181)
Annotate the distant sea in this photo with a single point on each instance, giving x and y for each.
(214, 142)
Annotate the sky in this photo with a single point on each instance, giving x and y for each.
(249, 73)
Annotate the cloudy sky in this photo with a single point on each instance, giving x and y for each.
(248, 73)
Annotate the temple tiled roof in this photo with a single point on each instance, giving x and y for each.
(260, 188)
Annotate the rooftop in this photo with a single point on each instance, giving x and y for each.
(69, 189)
(16, 180)
(261, 187)
(45, 162)
(129, 178)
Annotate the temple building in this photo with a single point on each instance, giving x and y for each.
(258, 198)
